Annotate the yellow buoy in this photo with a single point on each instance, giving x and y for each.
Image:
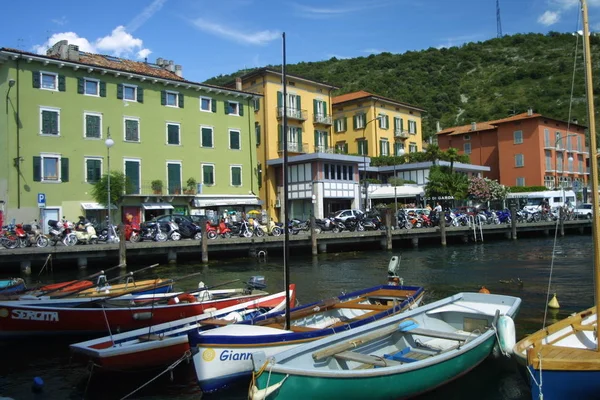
(554, 302)
(484, 290)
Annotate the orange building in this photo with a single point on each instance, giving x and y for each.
(526, 149)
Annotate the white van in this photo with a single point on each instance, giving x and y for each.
(555, 198)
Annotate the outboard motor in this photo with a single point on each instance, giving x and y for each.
(256, 282)
(393, 267)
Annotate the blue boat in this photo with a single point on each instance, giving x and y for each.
(12, 286)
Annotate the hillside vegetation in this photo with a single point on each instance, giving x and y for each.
(474, 82)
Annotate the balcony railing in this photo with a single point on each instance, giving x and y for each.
(324, 149)
(399, 133)
(293, 113)
(295, 147)
(146, 189)
(323, 119)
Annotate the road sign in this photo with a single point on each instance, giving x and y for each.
(576, 186)
(41, 200)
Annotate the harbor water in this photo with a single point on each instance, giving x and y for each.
(518, 268)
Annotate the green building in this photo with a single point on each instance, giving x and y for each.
(185, 147)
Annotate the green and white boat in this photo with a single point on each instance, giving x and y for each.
(397, 357)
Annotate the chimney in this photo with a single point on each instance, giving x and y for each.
(238, 83)
(179, 71)
(575, 121)
(170, 66)
(438, 126)
(73, 53)
(59, 49)
(159, 61)
(529, 112)
(473, 126)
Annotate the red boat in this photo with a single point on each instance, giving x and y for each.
(164, 344)
(22, 318)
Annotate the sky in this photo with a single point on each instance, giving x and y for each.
(211, 37)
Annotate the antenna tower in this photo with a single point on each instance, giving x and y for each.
(498, 22)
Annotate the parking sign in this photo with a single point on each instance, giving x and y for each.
(41, 200)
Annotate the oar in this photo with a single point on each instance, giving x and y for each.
(67, 284)
(110, 280)
(188, 292)
(315, 308)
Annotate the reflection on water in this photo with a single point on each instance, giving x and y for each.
(497, 265)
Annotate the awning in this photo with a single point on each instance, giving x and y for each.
(96, 206)
(157, 206)
(213, 202)
(387, 192)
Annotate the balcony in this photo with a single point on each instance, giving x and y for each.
(323, 119)
(400, 134)
(324, 149)
(147, 189)
(293, 113)
(294, 147)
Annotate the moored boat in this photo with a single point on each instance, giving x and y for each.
(12, 286)
(164, 344)
(394, 358)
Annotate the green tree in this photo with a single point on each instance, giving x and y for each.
(118, 186)
(444, 182)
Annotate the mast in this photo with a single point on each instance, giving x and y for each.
(593, 156)
(286, 240)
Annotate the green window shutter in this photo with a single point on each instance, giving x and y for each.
(380, 122)
(64, 169)
(180, 99)
(280, 136)
(401, 124)
(257, 104)
(326, 141)
(92, 123)
(61, 83)
(236, 176)
(345, 124)
(172, 134)
(174, 178)
(207, 174)
(315, 109)
(37, 167)
(387, 122)
(300, 140)
(381, 144)
(49, 122)
(213, 105)
(324, 108)
(259, 175)
(132, 172)
(366, 149)
(93, 170)
(257, 131)
(226, 104)
(299, 102)
(206, 137)
(36, 79)
(345, 148)
(80, 84)
(387, 148)
(102, 89)
(120, 91)
(395, 123)
(316, 138)
(234, 140)
(279, 98)
(241, 109)
(140, 94)
(163, 97)
(354, 122)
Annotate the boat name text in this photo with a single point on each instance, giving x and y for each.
(228, 355)
(35, 315)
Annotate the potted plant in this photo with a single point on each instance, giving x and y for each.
(191, 186)
(157, 186)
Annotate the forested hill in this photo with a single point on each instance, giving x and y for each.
(474, 82)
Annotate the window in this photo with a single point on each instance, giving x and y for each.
(234, 140)
(518, 137)
(133, 172)
(93, 169)
(359, 121)
(206, 136)
(257, 132)
(467, 148)
(548, 157)
(570, 161)
(256, 103)
(549, 182)
(173, 134)
(384, 121)
(412, 147)
(557, 140)
(92, 125)
(320, 110)
(578, 143)
(363, 147)
(129, 93)
(398, 125)
(208, 174)
(341, 148)
(49, 81)
(236, 175)
(233, 108)
(398, 148)
(466, 137)
(50, 168)
(519, 160)
(412, 127)
(546, 137)
(521, 181)
(49, 121)
(341, 124)
(174, 177)
(321, 142)
(384, 147)
(132, 129)
(91, 87)
(206, 104)
(171, 99)
(580, 164)
(559, 162)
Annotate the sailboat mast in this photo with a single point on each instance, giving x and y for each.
(593, 155)
(286, 240)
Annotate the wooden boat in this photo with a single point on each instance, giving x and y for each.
(88, 315)
(12, 286)
(224, 353)
(394, 358)
(163, 344)
(563, 359)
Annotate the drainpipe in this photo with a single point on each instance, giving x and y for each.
(18, 161)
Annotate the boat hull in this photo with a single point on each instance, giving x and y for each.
(560, 385)
(392, 386)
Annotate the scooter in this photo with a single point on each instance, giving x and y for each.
(213, 232)
(60, 231)
(35, 234)
(171, 229)
(22, 237)
(85, 232)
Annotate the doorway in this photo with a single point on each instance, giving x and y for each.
(47, 214)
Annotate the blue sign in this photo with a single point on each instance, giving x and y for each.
(41, 200)
(576, 186)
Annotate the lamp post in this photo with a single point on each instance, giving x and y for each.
(365, 183)
(109, 143)
(570, 159)
(400, 153)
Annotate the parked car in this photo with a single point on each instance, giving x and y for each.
(583, 210)
(343, 215)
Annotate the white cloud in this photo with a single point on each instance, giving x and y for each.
(549, 18)
(323, 12)
(374, 51)
(255, 38)
(60, 21)
(119, 43)
(145, 15)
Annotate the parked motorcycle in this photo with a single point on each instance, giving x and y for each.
(35, 234)
(22, 237)
(85, 232)
(151, 230)
(403, 221)
(323, 225)
(213, 232)
(8, 239)
(188, 229)
(61, 231)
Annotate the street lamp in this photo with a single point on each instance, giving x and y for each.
(109, 143)
(556, 150)
(365, 183)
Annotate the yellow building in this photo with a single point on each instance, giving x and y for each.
(372, 125)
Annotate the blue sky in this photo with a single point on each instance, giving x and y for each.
(209, 38)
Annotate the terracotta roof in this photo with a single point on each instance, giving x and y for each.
(459, 130)
(265, 70)
(515, 117)
(361, 94)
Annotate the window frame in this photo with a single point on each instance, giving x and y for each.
(173, 93)
(466, 146)
(515, 137)
(58, 158)
(237, 109)
(174, 162)
(520, 156)
(135, 92)
(55, 88)
(50, 109)
(212, 137)
(139, 163)
(383, 121)
(85, 168)
(340, 125)
(361, 121)
(412, 127)
(139, 130)
(178, 125)
(93, 114)
(214, 173)
(210, 104)
(91, 80)
(239, 132)
(231, 167)
(520, 179)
